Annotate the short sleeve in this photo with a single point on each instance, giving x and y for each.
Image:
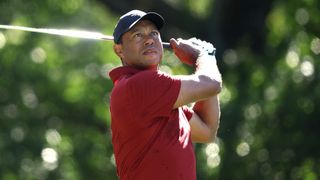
(154, 92)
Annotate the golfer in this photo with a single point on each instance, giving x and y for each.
(152, 127)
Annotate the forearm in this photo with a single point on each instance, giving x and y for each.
(207, 65)
(204, 83)
(201, 87)
(209, 112)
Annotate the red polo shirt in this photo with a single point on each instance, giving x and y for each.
(151, 140)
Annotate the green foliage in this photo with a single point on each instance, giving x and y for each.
(54, 92)
(273, 98)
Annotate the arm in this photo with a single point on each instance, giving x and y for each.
(205, 121)
(202, 87)
(204, 83)
(206, 80)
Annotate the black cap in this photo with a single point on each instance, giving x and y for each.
(128, 20)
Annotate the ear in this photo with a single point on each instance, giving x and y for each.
(117, 48)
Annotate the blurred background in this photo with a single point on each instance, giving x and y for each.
(54, 91)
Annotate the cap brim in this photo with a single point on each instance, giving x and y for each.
(155, 18)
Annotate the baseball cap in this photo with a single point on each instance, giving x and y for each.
(128, 20)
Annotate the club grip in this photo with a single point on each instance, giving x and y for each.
(166, 45)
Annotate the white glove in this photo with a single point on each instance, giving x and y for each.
(203, 46)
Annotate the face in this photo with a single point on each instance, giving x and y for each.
(141, 47)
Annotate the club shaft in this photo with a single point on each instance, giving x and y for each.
(68, 32)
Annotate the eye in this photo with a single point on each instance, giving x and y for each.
(154, 33)
(137, 35)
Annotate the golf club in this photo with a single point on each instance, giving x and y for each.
(69, 33)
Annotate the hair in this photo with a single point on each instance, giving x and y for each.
(120, 40)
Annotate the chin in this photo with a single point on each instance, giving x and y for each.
(153, 61)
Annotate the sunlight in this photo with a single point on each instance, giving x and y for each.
(243, 149)
(225, 95)
(27, 165)
(212, 149)
(113, 160)
(315, 46)
(271, 93)
(200, 8)
(106, 68)
(307, 68)
(53, 137)
(29, 98)
(230, 57)
(292, 59)
(2, 40)
(15, 37)
(92, 70)
(302, 16)
(213, 161)
(212, 152)
(38, 55)
(10, 110)
(49, 155)
(252, 111)
(17, 134)
(50, 158)
(55, 74)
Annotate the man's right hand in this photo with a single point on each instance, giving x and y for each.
(185, 50)
(189, 50)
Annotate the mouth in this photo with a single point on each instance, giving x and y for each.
(150, 51)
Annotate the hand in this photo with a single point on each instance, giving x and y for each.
(185, 51)
(189, 50)
(204, 46)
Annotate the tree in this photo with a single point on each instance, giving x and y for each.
(54, 115)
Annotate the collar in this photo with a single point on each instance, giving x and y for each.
(118, 72)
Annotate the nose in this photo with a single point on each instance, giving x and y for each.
(149, 40)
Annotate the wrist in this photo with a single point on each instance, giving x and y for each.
(205, 59)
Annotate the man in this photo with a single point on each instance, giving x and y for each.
(152, 128)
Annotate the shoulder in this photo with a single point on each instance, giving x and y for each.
(150, 73)
(153, 80)
(152, 76)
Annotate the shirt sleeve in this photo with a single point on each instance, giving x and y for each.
(154, 92)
